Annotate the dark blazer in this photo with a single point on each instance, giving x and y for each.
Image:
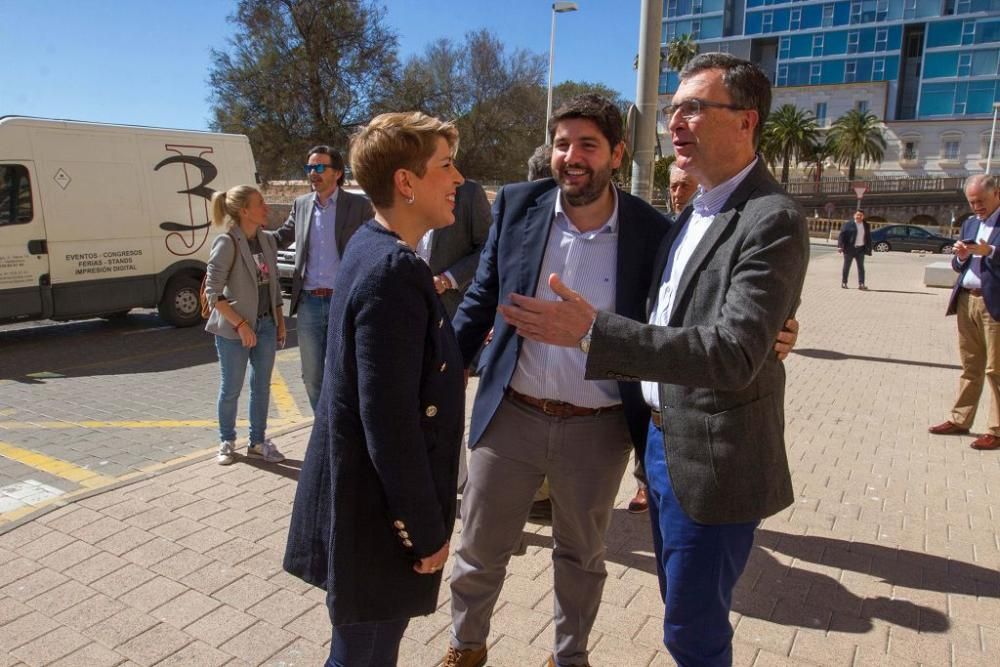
(721, 384)
(352, 210)
(990, 274)
(849, 234)
(512, 261)
(456, 248)
(377, 487)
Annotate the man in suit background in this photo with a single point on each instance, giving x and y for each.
(976, 301)
(727, 276)
(682, 190)
(320, 223)
(854, 242)
(453, 252)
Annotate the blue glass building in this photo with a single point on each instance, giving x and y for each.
(936, 59)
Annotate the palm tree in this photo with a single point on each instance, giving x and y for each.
(788, 136)
(817, 156)
(857, 137)
(680, 51)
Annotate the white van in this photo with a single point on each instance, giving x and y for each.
(97, 219)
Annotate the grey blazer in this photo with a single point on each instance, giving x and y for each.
(721, 384)
(352, 210)
(456, 248)
(239, 285)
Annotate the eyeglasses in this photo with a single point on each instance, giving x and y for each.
(691, 107)
(318, 168)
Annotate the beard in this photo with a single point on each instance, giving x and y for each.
(595, 185)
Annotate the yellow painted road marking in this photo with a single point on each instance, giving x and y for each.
(189, 423)
(282, 397)
(53, 466)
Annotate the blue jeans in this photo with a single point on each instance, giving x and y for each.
(367, 644)
(698, 565)
(233, 358)
(313, 313)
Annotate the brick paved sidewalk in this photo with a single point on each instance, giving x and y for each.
(889, 555)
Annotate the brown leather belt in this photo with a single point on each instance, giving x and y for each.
(559, 408)
(974, 292)
(656, 418)
(322, 292)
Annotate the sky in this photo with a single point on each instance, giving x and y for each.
(146, 62)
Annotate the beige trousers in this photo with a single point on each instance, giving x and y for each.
(979, 350)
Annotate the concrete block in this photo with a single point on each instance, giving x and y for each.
(939, 274)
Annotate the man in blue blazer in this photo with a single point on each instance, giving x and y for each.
(854, 242)
(976, 301)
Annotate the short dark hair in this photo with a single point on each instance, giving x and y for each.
(598, 109)
(336, 161)
(746, 83)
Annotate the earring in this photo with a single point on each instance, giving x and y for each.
(411, 199)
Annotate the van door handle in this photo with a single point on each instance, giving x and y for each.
(38, 247)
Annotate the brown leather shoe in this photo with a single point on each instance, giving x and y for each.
(986, 441)
(948, 428)
(640, 503)
(470, 657)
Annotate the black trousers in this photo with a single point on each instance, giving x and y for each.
(855, 255)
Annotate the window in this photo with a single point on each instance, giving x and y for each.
(881, 10)
(984, 149)
(909, 9)
(15, 195)
(821, 114)
(855, 12)
(817, 45)
(784, 47)
(861, 105)
(853, 39)
(782, 75)
(815, 69)
(767, 22)
(850, 71)
(881, 39)
(959, 108)
(795, 19)
(964, 64)
(828, 16)
(949, 149)
(968, 32)
(910, 150)
(695, 29)
(671, 9)
(878, 69)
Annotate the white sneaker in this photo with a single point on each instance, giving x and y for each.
(227, 452)
(265, 450)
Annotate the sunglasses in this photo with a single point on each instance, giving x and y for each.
(318, 168)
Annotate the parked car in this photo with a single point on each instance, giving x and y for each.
(905, 238)
(286, 266)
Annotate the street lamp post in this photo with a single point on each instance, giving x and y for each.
(993, 136)
(557, 8)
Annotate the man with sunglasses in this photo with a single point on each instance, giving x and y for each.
(728, 274)
(321, 223)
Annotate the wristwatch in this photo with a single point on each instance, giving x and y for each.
(584, 342)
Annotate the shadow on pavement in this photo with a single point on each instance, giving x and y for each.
(896, 291)
(289, 468)
(794, 595)
(833, 355)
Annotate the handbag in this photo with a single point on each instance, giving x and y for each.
(206, 308)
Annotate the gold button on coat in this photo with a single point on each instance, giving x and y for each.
(405, 535)
(407, 544)
(431, 410)
(398, 525)
(444, 366)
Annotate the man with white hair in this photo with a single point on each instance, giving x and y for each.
(976, 301)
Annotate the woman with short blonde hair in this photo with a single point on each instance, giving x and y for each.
(375, 505)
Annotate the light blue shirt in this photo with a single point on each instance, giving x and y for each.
(971, 279)
(323, 258)
(587, 262)
(707, 204)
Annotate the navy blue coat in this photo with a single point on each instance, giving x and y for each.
(377, 487)
(512, 262)
(990, 274)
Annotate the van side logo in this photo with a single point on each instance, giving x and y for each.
(184, 239)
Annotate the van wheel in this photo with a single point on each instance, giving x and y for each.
(179, 305)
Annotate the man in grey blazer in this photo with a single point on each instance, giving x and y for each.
(320, 223)
(452, 252)
(729, 273)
